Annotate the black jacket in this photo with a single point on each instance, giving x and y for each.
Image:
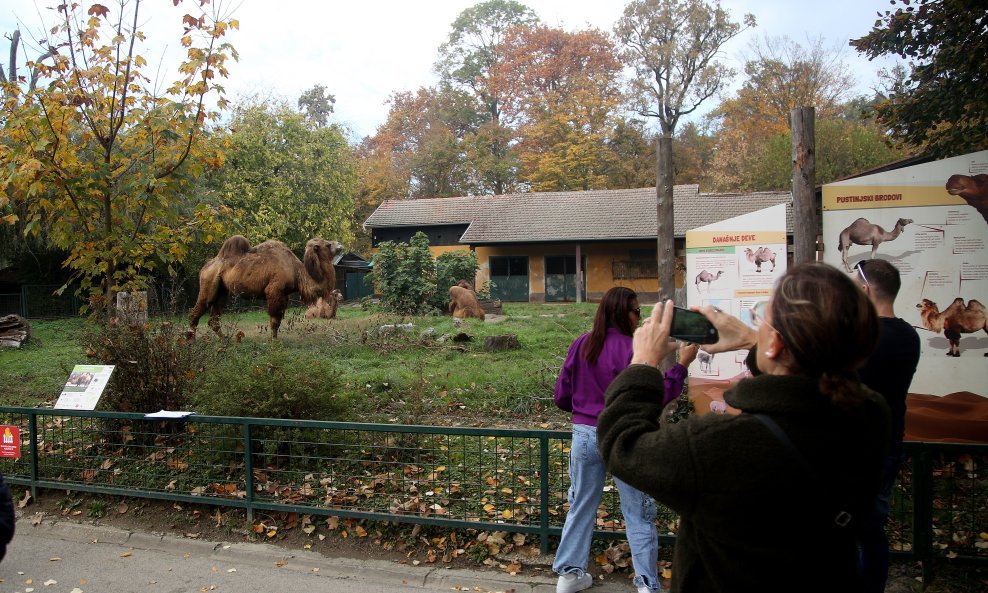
(6, 517)
(752, 519)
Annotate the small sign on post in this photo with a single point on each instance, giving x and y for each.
(84, 387)
(10, 442)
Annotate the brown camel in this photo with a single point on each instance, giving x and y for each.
(463, 303)
(705, 276)
(862, 232)
(974, 190)
(760, 256)
(954, 320)
(269, 269)
(325, 307)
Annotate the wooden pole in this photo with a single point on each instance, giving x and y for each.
(666, 242)
(805, 226)
(579, 275)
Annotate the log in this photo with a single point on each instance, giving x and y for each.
(14, 331)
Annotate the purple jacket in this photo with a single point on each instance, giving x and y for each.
(581, 385)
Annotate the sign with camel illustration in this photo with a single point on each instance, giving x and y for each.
(84, 387)
(733, 265)
(931, 222)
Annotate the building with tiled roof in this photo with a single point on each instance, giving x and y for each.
(528, 244)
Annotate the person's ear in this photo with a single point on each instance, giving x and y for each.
(775, 346)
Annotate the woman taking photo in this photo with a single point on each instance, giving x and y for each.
(770, 499)
(593, 361)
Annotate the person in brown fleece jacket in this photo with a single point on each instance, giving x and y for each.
(757, 513)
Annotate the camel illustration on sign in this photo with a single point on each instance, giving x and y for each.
(953, 321)
(974, 190)
(705, 276)
(760, 256)
(862, 232)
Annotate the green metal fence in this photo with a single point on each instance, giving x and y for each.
(498, 479)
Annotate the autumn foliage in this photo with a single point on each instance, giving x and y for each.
(100, 158)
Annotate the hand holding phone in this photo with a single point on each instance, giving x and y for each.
(690, 326)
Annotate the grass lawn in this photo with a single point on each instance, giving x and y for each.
(414, 376)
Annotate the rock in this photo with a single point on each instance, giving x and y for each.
(504, 342)
(398, 327)
(428, 332)
(14, 331)
(461, 337)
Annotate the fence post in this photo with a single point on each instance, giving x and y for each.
(923, 511)
(24, 300)
(249, 470)
(32, 424)
(544, 498)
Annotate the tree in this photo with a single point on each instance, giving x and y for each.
(673, 47)
(942, 106)
(781, 75)
(560, 90)
(286, 176)
(317, 105)
(102, 161)
(466, 59)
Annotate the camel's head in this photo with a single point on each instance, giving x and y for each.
(927, 305)
(903, 222)
(319, 254)
(748, 251)
(970, 185)
(719, 272)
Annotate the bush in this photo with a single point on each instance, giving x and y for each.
(451, 267)
(270, 381)
(156, 366)
(405, 275)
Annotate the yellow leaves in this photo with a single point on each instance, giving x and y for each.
(187, 41)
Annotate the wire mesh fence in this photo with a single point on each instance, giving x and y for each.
(508, 480)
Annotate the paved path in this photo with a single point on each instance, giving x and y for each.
(66, 557)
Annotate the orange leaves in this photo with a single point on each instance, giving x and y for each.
(98, 10)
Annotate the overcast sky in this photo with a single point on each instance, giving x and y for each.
(364, 50)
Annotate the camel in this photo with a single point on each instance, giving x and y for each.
(463, 302)
(974, 190)
(760, 256)
(862, 232)
(325, 307)
(954, 320)
(269, 269)
(704, 358)
(705, 276)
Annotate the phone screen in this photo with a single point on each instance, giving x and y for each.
(690, 326)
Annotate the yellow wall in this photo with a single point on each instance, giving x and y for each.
(599, 258)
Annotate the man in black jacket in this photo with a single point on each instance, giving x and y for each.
(6, 517)
(888, 371)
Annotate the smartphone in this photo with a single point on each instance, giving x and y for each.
(690, 326)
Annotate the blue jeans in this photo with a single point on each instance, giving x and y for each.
(587, 474)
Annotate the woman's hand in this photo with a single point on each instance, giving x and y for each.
(733, 333)
(687, 353)
(651, 342)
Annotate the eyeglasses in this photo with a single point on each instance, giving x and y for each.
(637, 311)
(860, 269)
(758, 318)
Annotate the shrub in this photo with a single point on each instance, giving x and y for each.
(405, 275)
(268, 380)
(156, 366)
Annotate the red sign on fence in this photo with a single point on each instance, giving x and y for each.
(10, 441)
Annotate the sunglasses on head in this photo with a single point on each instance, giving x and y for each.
(860, 269)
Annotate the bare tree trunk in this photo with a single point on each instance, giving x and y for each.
(664, 219)
(805, 227)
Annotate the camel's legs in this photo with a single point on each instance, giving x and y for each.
(277, 303)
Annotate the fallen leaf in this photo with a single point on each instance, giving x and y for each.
(513, 568)
(281, 563)
(50, 582)
(54, 559)
(23, 502)
(127, 554)
(37, 519)
(122, 508)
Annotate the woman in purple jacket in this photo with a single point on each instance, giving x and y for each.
(593, 361)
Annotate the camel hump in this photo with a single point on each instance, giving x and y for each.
(235, 246)
(975, 305)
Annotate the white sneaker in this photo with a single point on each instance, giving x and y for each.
(570, 583)
(645, 589)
